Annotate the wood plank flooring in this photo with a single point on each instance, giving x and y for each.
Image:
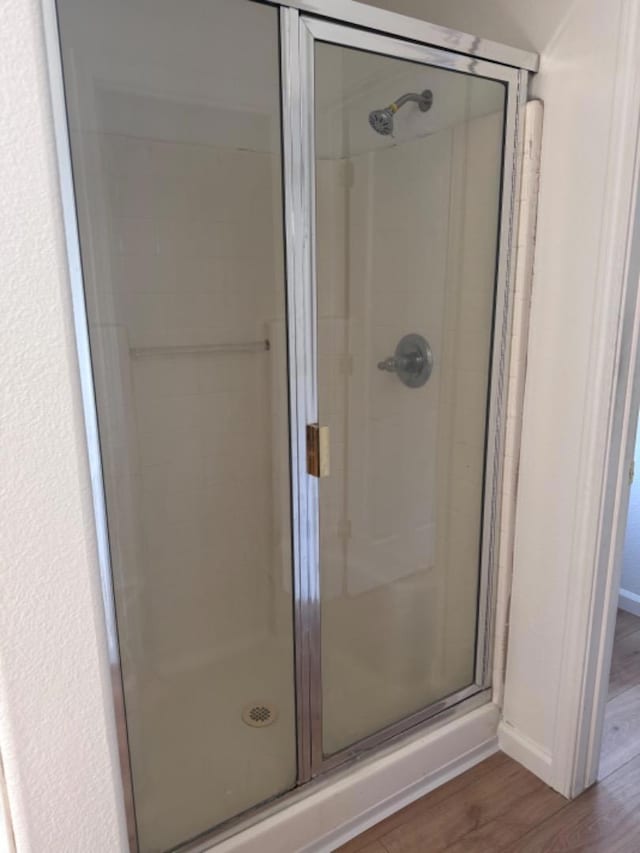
(605, 819)
(500, 806)
(626, 623)
(486, 809)
(621, 734)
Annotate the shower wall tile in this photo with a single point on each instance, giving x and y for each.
(411, 467)
(188, 266)
(332, 187)
(134, 234)
(397, 277)
(332, 179)
(475, 195)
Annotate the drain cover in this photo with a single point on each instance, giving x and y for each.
(259, 715)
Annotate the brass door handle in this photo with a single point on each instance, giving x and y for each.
(317, 450)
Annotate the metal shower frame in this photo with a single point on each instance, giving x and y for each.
(354, 25)
(299, 35)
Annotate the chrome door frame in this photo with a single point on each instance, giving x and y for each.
(360, 14)
(299, 34)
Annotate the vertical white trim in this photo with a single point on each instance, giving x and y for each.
(500, 363)
(524, 245)
(607, 445)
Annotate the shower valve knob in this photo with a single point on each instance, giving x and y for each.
(389, 364)
(412, 361)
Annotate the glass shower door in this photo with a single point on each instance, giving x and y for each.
(175, 131)
(408, 180)
(298, 501)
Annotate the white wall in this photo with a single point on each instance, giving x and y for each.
(56, 726)
(631, 554)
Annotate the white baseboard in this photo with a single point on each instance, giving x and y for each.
(348, 804)
(629, 601)
(525, 751)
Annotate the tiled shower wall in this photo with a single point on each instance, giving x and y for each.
(185, 266)
(205, 449)
(421, 226)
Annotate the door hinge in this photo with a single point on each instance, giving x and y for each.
(632, 471)
(317, 450)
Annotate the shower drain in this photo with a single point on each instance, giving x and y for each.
(260, 715)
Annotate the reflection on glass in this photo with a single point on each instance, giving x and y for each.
(407, 221)
(176, 154)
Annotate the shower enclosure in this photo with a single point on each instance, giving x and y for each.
(290, 247)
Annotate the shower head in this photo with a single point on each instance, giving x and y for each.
(382, 120)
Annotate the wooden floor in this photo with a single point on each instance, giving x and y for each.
(621, 737)
(500, 806)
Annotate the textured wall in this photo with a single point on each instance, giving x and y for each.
(55, 730)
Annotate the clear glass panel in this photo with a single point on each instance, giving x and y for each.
(407, 230)
(174, 111)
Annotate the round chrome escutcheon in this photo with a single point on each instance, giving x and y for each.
(412, 362)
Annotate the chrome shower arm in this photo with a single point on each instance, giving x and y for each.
(423, 101)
